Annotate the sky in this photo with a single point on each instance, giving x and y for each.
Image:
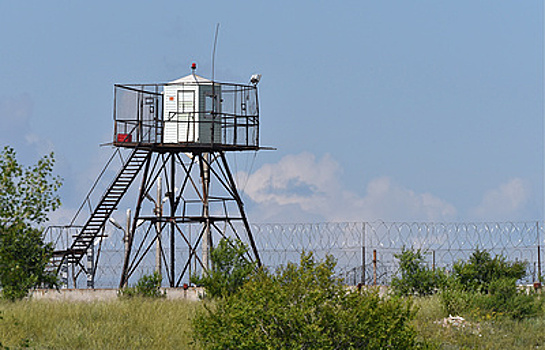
(378, 110)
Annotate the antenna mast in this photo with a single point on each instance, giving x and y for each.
(214, 50)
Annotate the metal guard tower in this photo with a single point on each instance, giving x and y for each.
(178, 134)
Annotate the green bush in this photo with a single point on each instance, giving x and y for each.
(415, 278)
(454, 300)
(230, 269)
(504, 299)
(305, 307)
(502, 303)
(486, 286)
(481, 269)
(148, 286)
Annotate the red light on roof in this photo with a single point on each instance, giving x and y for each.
(193, 65)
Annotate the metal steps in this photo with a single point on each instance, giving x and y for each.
(103, 210)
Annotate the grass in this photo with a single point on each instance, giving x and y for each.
(165, 324)
(121, 324)
(480, 332)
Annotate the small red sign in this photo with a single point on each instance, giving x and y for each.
(124, 138)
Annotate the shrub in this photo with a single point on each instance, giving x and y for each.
(415, 277)
(504, 299)
(454, 300)
(148, 286)
(486, 286)
(481, 269)
(230, 269)
(305, 307)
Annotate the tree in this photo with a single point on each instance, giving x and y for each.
(230, 269)
(27, 195)
(304, 306)
(481, 270)
(415, 277)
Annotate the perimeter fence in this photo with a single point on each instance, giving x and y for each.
(365, 251)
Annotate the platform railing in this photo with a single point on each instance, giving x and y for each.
(139, 118)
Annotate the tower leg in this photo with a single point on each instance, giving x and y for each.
(214, 205)
(205, 179)
(172, 220)
(159, 214)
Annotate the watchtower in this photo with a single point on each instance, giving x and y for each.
(178, 134)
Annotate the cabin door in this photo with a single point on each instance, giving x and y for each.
(187, 118)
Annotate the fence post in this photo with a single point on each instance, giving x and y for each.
(363, 254)
(64, 274)
(374, 267)
(538, 251)
(90, 267)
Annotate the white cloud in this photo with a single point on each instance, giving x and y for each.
(301, 188)
(506, 202)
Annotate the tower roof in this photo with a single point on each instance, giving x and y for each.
(191, 78)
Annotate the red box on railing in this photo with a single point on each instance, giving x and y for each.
(124, 138)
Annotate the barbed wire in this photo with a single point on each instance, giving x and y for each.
(365, 251)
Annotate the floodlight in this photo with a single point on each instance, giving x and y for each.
(255, 79)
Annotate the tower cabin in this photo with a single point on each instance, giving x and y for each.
(189, 113)
(192, 112)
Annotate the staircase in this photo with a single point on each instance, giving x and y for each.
(103, 210)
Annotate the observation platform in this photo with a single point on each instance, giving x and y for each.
(189, 147)
(190, 114)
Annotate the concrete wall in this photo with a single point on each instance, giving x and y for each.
(193, 294)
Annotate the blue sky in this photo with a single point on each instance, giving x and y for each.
(392, 110)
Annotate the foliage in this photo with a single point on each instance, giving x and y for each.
(416, 278)
(305, 307)
(485, 331)
(230, 269)
(148, 286)
(481, 270)
(166, 324)
(481, 286)
(26, 196)
(502, 299)
(23, 261)
(485, 286)
(455, 300)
